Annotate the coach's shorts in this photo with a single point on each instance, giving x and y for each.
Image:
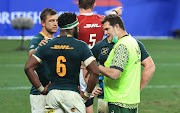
(65, 100)
(38, 103)
(117, 109)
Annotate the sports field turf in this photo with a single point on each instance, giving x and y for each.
(162, 95)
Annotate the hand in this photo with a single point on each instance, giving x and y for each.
(43, 42)
(116, 11)
(119, 11)
(46, 89)
(96, 92)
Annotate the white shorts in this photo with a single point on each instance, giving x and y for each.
(66, 101)
(38, 103)
(102, 106)
(83, 84)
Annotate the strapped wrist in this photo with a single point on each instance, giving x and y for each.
(86, 94)
(115, 11)
(41, 89)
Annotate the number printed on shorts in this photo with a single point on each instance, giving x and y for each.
(60, 67)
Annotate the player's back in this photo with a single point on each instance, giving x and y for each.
(63, 56)
(90, 28)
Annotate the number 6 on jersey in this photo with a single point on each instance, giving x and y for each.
(60, 67)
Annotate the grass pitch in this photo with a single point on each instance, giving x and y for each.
(162, 95)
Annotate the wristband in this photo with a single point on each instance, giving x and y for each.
(86, 94)
(115, 11)
(41, 89)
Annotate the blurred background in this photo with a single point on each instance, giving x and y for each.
(156, 23)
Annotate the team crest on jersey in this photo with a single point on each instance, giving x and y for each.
(61, 47)
(92, 25)
(104, 50)
(73, 109)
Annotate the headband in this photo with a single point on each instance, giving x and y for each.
(70, 26)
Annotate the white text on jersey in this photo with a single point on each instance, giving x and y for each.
(91, 25)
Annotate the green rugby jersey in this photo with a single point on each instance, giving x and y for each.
(102, 49)
(126, 57)
(42, 71)
(64, 55)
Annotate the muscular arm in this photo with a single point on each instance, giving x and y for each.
(148, 71)
(29, 68)
(109, 72)
(94, 76)
(119, 60)
(32, 51)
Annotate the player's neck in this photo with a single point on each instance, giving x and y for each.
(123, 33)
(63, 33)
(47, 34)
(81, 11)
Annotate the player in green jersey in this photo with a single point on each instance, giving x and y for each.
(49, 27)
(64, 55)
(123, 68)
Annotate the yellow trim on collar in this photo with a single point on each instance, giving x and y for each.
(43, 34)
(68, 35)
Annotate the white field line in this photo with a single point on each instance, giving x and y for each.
(12, 65)
(149, 86)
(157, 64)
(15, 88)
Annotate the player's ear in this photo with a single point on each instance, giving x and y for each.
(117, 26)
(42, 23)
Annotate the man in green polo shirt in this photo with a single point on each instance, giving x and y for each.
(122, 69)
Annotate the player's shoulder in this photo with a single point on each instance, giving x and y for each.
(79, 41)
(38, 36)
(101, 43)
(100, 16)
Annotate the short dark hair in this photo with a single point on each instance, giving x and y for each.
(113, 20)
(86, 4)
(66, 18)
(47, 11)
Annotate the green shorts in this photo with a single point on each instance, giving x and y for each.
(117, 109)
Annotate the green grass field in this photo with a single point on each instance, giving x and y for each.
(162, 95)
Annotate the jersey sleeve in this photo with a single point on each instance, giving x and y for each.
(144, 53)
(95, 50)
(87, 56)
(34, 43)
(121, 56)
(40, 53)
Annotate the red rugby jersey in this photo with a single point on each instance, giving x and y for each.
(90, 28)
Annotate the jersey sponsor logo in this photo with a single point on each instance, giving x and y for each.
(32, 46)
(104, 50)
(92, 25)
(61, 47)
(35, 37)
